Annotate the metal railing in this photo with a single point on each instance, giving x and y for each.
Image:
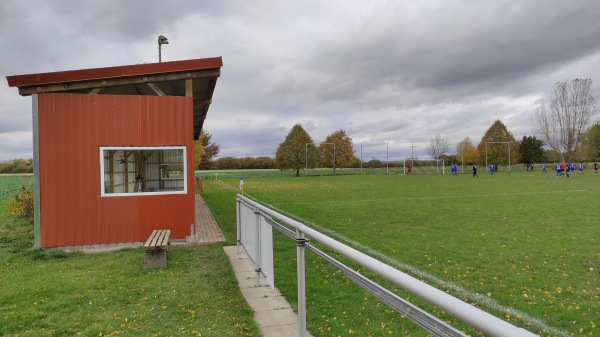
(472, 316)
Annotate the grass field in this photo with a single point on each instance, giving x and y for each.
(522, 246)
(110, 294)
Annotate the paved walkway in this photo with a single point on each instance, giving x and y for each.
(206, 227)
(272, 312)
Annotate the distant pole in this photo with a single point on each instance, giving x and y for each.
(361, 158)
(463, 159)
(306, 160)
(333, 154)
(412, 153)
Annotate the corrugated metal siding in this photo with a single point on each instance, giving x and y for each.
(72, 128)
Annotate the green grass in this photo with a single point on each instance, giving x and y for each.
(109, 294)
(522, 246)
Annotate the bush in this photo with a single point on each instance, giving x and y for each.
(22, 204)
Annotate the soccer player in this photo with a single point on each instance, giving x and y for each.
(544, 168)
(572, 167)
(580, 169)
(558, 170)
(475, 171)
(492, 169)
(596, 168)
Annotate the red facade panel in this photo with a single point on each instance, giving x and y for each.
(72, 129)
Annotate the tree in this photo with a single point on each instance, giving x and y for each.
(296, 151)
(466, 153)
(568, 114)
(17, 166)
(198, 152)
(590, 141)
(343, 150)
(209, 151)
(449, 159)
(375, 163)
(437, 147)
(531, 150)
(498, 153)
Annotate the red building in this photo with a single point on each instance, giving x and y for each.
(113, 150)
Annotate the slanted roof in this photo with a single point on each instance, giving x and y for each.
(193, 78)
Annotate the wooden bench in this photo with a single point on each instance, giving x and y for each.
(156, 249)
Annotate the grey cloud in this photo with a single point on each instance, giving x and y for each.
(383, 71)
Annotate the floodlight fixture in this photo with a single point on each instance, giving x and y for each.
(161, 40)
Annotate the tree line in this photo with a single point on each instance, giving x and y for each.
(16, 166)
(564, 130)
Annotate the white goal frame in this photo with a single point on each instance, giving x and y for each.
(412, 162)
(486, 154)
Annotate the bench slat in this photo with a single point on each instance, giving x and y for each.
(149, 241)
(164, 241)
(159, 239)
(155, 240)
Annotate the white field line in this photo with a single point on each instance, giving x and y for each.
(475, 297)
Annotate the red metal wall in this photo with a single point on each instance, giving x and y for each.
(72, 128)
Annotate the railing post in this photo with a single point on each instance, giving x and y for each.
(258, 262)
(238, 221)
(300, 266)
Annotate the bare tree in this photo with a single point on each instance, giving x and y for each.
(437, 147)
(569, 113)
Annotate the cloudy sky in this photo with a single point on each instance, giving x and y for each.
(395, 72)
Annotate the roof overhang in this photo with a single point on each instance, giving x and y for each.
(191, 78)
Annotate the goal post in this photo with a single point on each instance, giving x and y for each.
(424, 166)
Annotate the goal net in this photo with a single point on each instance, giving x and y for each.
(424, 166)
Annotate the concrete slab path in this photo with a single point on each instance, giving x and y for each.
(272, 312)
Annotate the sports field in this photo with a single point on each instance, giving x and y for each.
(523, 246)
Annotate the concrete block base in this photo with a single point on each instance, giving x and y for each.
(155, 259)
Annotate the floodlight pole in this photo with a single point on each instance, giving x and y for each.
(361, 158)
(333, 155)
(463, 159)
(412, 153)
(161, 40)
(306, 160)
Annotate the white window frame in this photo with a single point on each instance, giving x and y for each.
(146, 148)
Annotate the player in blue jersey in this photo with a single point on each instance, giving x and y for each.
(580, 169)
(544, 168)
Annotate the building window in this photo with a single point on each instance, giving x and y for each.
(130, 171)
